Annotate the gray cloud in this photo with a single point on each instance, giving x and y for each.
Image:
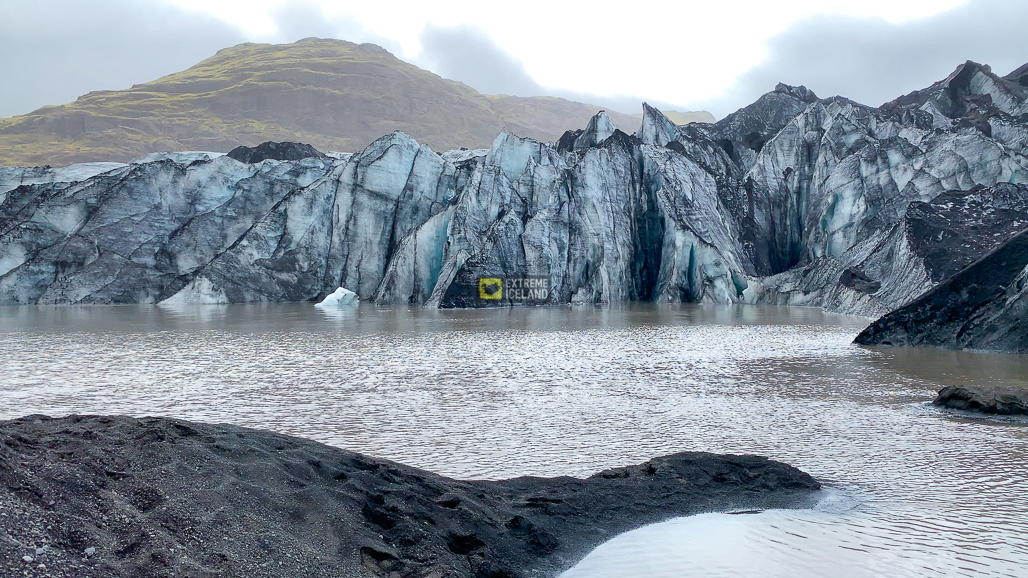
(467, 54)
(872, 62)
(304, 19)
(52, 51)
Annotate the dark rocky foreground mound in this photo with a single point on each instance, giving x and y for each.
(994, 400)
(118, 496)
(982, 307)
(279, 151)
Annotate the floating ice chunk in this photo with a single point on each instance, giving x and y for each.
(340, 298)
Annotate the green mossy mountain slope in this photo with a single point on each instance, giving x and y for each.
(333, 94)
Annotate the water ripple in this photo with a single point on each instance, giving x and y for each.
(490, 394)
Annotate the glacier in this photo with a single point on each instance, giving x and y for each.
(793, 200)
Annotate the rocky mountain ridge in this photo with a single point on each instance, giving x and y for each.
(793, 200)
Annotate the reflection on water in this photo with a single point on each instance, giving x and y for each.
(546, 391)
(827, 541)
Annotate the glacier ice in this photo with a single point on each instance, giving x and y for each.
(793, 200)
(13, 177)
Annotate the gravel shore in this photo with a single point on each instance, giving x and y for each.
(85, 496)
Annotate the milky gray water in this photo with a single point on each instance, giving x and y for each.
(911, 490)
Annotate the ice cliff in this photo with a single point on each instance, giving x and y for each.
(792, 200)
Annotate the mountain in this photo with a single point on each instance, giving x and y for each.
(793, 200)
(334, 95)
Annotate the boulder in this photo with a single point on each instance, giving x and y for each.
(991, 400)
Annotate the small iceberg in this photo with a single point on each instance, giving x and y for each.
(341, 297)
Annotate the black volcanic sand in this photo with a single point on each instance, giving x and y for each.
(119, 496)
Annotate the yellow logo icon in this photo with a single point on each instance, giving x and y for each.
(490, 288)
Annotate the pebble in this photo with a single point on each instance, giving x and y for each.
(27, 558)
(90, 551)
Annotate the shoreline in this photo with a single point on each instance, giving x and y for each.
(120, 496)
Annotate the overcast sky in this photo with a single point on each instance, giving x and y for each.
(687, 55)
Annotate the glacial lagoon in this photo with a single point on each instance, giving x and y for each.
(910, 490)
